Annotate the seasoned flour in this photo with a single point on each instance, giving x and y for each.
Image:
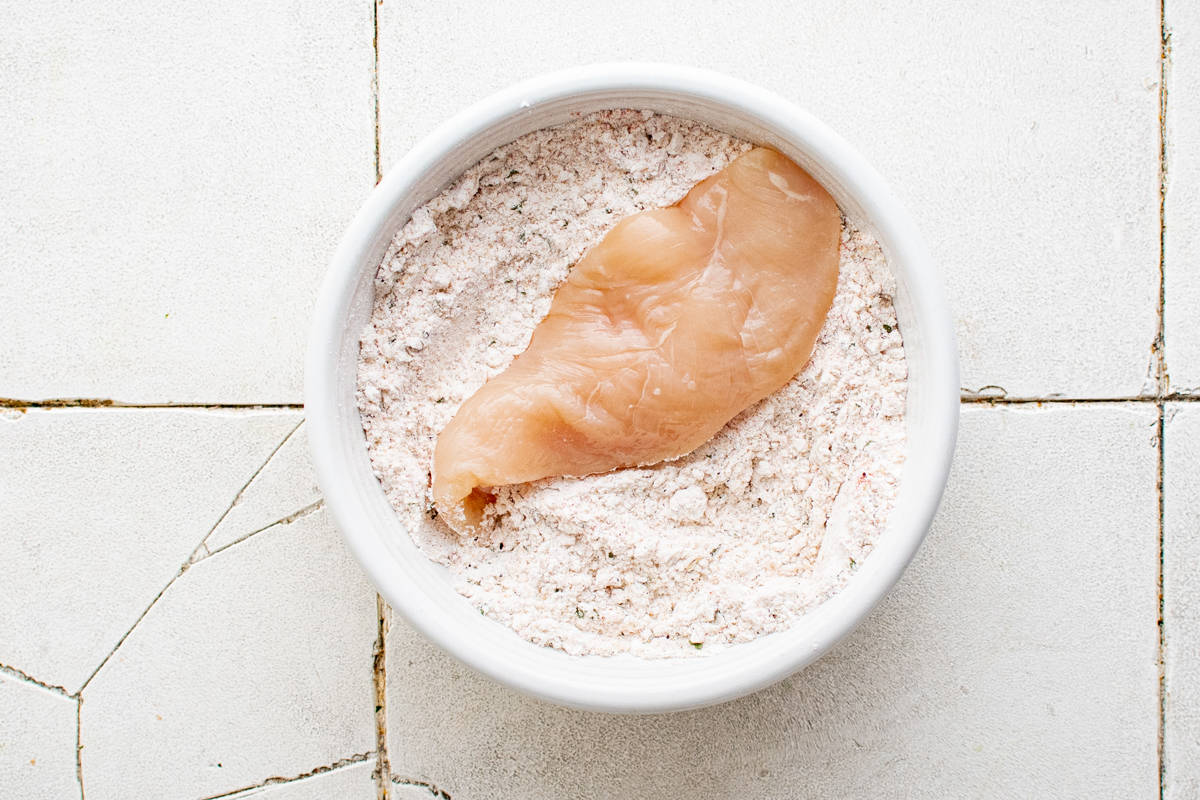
(733, 541)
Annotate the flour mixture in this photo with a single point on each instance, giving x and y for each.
(733, 541)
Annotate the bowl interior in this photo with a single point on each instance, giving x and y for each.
(422, 590)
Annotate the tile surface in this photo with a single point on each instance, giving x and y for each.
(1181, 600)
(173, 187)
(1016, 659)
(1022, 136)
(255, 663)
(353, 782)
(98, 510)
(1182, 239)
(37, 742)
(285, 485)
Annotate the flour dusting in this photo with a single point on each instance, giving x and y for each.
(732, 541)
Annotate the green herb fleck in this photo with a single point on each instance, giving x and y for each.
(512, 172)
(610, 555)
(887, 327)
(697, 645)
(853, 563)
(579, 613)
(522, 237)
(608, 211)
(440, 400)
(565, 223)
(517, 207)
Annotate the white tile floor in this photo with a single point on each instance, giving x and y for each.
(164, 172)
(1182, 235)
(179, 619)
(1181, 596)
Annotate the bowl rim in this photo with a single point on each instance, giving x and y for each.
(828, 149)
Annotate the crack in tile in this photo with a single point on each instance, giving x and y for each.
(132, 627)
(357, 758)
(990, 390)
(187, 562)
(25, 677)
(308, 510)
(426, 785)
(237, 498)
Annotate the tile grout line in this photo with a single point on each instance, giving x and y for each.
(1163, 378)
(375, 85)
(966, 398)
(383, 765)
(383, 768)
(1164, 386)
(1000, 400)
(79, 745)
(17, 404)
(1162, 640)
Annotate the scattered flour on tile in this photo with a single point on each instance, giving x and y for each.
(735, 540)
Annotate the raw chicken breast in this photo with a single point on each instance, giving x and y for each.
(679, 319)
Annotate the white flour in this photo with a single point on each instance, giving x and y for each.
(730, 542)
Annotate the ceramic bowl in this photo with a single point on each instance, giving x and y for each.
(422, 590)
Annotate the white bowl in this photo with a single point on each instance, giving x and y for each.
(421, 590)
